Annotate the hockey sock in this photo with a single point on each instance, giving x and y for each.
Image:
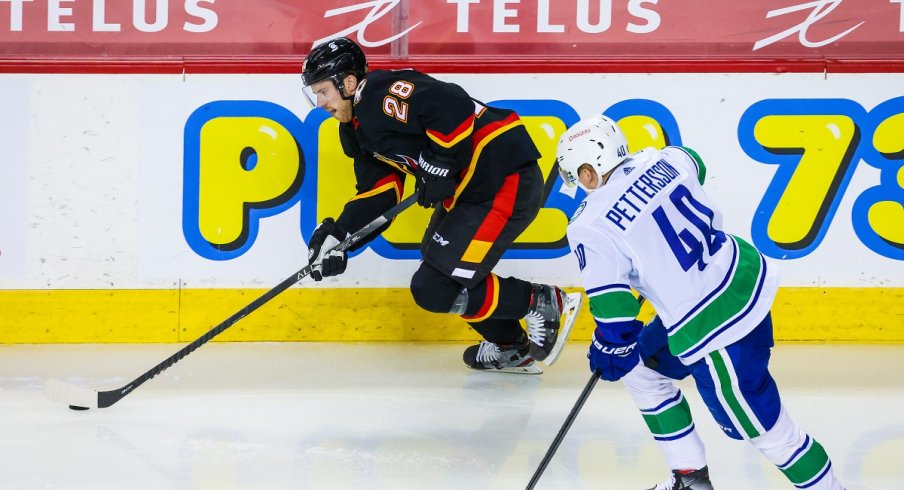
(499, 298)
(800, 457)
(668, 416)
(500, 332)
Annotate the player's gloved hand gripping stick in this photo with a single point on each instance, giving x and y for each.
(612, 360)
(324, 255)
(79, 398)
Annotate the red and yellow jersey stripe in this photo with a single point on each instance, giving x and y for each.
(493, 224)
(490, 301)
(391, 182)
(449, 140)
(482, 138)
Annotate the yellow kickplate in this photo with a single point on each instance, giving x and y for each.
(382, 314)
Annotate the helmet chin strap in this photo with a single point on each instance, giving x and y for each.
(340, 85)
(599, 182)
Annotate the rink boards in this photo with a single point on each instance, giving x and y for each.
(128, 214)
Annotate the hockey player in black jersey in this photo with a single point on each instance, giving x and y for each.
(476, 165)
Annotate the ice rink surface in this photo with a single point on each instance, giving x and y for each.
(405, 416)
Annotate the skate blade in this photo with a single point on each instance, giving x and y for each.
(531, 368)
(572, 307)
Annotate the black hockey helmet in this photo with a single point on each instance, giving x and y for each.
(334, 59)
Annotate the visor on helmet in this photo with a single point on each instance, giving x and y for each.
(568, 178)
(309, 96)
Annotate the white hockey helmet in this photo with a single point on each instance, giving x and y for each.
(595, 141)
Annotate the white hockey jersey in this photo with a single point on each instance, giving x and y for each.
(652, 227)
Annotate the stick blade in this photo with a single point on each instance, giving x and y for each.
(69, 394)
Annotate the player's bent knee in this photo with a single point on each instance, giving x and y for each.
(784, 434)
(644, 381)
(432, 290)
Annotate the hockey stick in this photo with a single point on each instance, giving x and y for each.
(79, 398)
(567, 425)
(585, 393)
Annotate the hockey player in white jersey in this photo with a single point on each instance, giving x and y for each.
(647, 224)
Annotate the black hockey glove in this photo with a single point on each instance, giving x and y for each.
(324, 261)
(435, 180)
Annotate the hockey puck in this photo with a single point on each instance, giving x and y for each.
(75, 407)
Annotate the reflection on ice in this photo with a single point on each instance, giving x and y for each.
(403, 415)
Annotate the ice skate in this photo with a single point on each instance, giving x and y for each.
(687, 480)
(506, 358)
(547, 330)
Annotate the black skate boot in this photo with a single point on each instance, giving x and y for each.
(544, 318)
(506, 358)
(687, 480)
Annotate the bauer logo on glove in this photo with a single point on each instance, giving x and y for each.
(613, 360)
(613, 350)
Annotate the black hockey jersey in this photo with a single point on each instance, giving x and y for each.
(400, 114)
